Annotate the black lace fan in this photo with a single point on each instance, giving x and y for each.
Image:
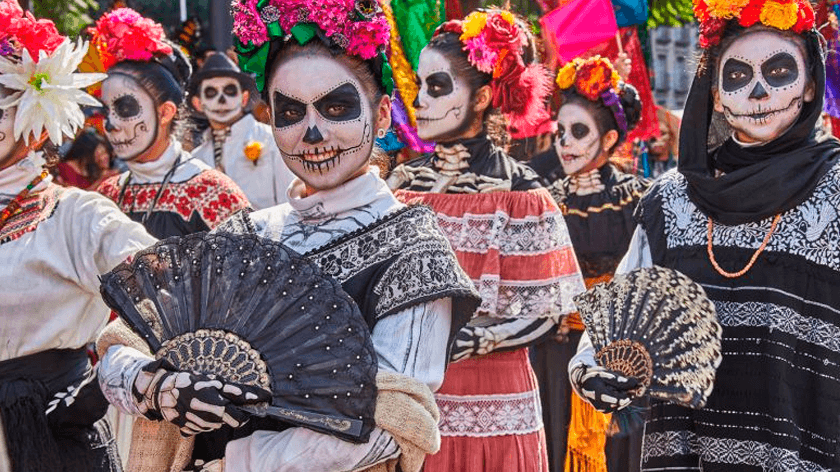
(656, 325)
(251, 311)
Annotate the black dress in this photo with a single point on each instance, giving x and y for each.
(601, 226)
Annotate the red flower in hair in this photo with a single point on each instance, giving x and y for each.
(506, 81)
(750, 15)
(39, 35)
(701, 11)
(711, 31)
(805, 17)
(593, 77)
(499, 34)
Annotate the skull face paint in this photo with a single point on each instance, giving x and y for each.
(7, 135)
(324, 127)
(132, 121)
(221, 99)
(578, 143)
(762, 81)
(443, 101)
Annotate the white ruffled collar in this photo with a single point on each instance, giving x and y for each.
(366, 190)
(155, 171)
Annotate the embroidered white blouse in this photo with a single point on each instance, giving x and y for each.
(49, 285)
(411, 342)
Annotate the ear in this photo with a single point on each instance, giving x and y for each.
(167, 112)
(196, 103)
(246, 96)
(609, 140)
(716, 97)
(810, 91)
(383, 113)
(483, 99)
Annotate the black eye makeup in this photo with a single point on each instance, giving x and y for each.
(210, 92)
(126, 107)
(439, 84)
(231, 90)
(579, 130)
(780, 70)
(735, 74)
(287, 110)
(342, 104)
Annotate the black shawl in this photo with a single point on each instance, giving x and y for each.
(760, 181)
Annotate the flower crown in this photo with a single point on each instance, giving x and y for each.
(125, 35)
(38, 67)
(494, 44)
(595, 79)
(357, 27)
(784, 15)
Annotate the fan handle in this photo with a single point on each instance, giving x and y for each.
(316, 420)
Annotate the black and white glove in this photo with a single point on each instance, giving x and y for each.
(472, 341)
(194, 403)
(605, 390)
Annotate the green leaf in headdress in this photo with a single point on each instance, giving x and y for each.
(303, 32)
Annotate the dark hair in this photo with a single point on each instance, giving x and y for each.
(631, 104)
(83, 150)
(368, 72)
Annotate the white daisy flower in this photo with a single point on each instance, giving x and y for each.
(49, 93)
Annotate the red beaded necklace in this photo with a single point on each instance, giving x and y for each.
(13, 206)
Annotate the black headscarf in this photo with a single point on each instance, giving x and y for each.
(759, 181)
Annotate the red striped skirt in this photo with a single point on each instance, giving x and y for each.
(490, 417)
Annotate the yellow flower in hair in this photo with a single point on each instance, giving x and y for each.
(508, 16)
(726, 9)
(473, 24)
(566, 76)
(780, 15)
(253, 151)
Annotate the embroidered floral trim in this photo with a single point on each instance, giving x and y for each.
(530, 236)
(726, 451)
(528, 299)
(424, 265)
(810, 230)
(489, 415)
(34, 210)
(214, 199)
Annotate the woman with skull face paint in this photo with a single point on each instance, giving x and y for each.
(54, 244)
(507, 231)
(165, 189)
(391, 259)
(597, 200)
(755, 221)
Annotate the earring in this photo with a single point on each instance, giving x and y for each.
(381, 133)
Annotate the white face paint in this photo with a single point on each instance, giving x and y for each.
(323, 127)
(762, 79)
(132, 122)
(578, 142)
(443, 102)
(7, 135)
(221, 99)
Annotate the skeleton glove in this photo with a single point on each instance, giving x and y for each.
(194, 403)
(607, 391)
(472, 341)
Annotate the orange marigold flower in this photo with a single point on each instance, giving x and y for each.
(725, 8)
(566, 76)
(779, 15)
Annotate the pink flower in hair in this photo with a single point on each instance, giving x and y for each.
(125, 35)
(247, 25)
(480, 56)
(290, 12)
(331, 15)
(367, 37)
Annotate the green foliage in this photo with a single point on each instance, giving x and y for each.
(670, 13)
(70, 16)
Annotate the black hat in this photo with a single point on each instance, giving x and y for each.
(219, 64)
